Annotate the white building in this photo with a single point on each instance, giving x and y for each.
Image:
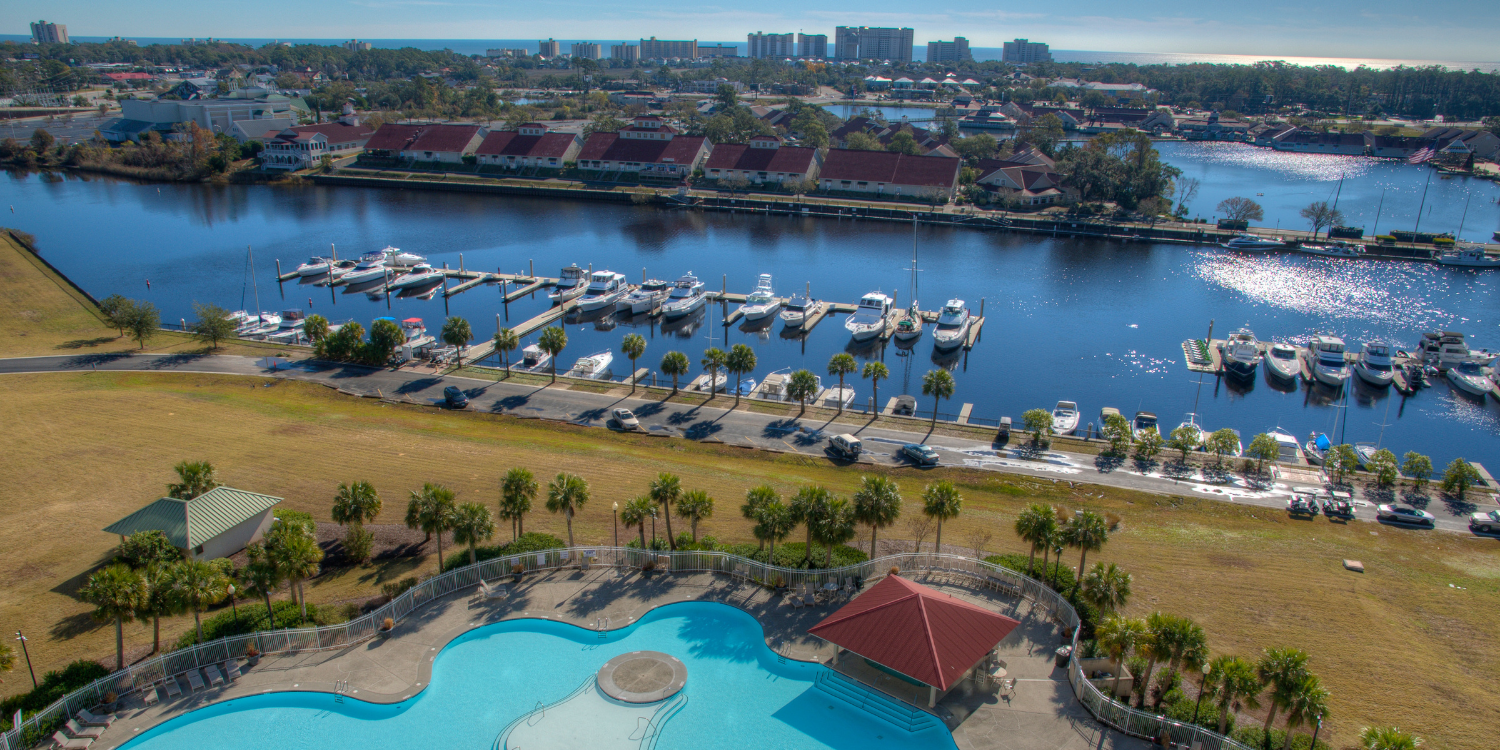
(303, 147)
(49, 33)
(762, 44)
(587, 51)
(216, 524)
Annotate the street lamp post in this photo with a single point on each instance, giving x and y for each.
(1316, 729)
(653, 528)
(22, 639)
(1202, 691)
(616, 509)
(232, 606)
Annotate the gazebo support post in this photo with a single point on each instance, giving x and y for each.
(931, 696)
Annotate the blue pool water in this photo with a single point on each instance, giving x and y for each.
(486, 678)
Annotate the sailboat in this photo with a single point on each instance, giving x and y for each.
(910, 327)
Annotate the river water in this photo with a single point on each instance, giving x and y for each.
(1096, 322)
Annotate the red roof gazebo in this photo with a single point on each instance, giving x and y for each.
(923, 634)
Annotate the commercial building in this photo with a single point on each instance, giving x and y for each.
(663, 49)
(1022, 51)
(762, 44)
(812, 46)
(355, 45)
(304, 146)
(873, 43)
(624, 52)
(718, 50)
(587, 50)
(216, 524)
(49, 33)
(954, 51)
(215, 115)
(549, 48)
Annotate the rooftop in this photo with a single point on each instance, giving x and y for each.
(189, 523)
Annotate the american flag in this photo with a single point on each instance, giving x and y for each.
(1423, 155)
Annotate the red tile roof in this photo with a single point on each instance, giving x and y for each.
(443, 138)
(739, 156)
(393, 137)
(611, 147)
(890, 168)
(335, 132)
(926, 635)
(512, 143)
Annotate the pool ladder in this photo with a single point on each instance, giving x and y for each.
(340, 687)
(602, 626)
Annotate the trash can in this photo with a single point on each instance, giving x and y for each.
(1063, 653)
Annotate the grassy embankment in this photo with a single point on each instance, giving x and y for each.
(1410, 642)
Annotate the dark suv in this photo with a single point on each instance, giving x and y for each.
(455, 397)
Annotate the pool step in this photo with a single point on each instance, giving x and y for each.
(899, 714)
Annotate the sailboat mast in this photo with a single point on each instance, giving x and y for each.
(253, 282)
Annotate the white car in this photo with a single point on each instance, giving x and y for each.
(626, 419)
(1486, 522)
(1405, 514)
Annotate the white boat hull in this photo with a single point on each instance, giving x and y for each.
(589, 304)
(759, 312)
(1378, 378)
(1476, 385)
(566, 294)
(360, 277)
(646, 305)
(912, 335)
(683, 307)
(1335, 377)
(945, 340)
(866, 332)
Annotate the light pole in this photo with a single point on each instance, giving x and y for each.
(653, 528)
(616, 509)
(232, 606)
(1202, 691)
(1316, 729)
(22, 639)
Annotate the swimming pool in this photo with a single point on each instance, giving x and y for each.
(737, 695)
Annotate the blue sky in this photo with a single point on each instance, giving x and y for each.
(1461, 30)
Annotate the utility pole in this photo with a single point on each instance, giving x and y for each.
(22, 639)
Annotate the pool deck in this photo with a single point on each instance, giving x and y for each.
(1041, 714)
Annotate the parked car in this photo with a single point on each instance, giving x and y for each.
(845, 445)
(1486, 522)
(455, 397)
(920, 454)
(1405, 514)
(625, 419)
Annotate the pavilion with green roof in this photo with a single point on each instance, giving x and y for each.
(217, 523)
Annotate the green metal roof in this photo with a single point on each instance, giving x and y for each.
(189, 523)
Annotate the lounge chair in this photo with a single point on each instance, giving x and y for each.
(232, 669)
(195, 680)
(74, 729)
(94, 720)
(215, 679)
(63, 741)
(796, 601)
(487, 591)
(149, 696)
(174, 688)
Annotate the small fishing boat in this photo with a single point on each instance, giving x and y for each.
(534, 358)
(1468, 376)
(909, 329)
(869, 319)
(595, 366)
(1316, 448)
(1374, 365)
(1338, 249)
(798, 310)
(1241, 353)
(421, 275)
(395, 257)
(1255, 243)
(1289, 450)
(647, 296)
(605, 289)
(315, 266)
(416, 333)
(952, 326)
(1065, 417)
(1145, 422)
(762, 302)
(1282, 361)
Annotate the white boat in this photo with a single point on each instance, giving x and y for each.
(239, 318)
(368, 269)
(762, 302)
(416, 333)
(260, 325)
(910, 327)
(1469, 258)
(1239, 445)
(1065, 417)
(1364, 453)
(605, 289)
(1442, 349)
(1255, 243)
(1374, 365)
(869, 319)
(799, 309)
(686, 298)
(952, 326)
(835, 397)
(1338, 249)
(570, 285)
(1282, 361)
(534, 358)
(1241, 353)
(647, 296)
(1468, 376)
(1325, 357)
(1145, 422)
(395, 257)
(1316, 448)
(1289, 450)
(315, 266)
(421, 275)
(594, 366)
(1192, 423)
(719, 381)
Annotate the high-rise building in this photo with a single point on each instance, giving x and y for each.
(812, 45)
(355, 45)
(514, 52)
(662, 49)
(49, 33)
(1022, 51)
(954, 51)
(587, 50)
(717, 50)
(549, 48)
(771, 45)
(873, 43)
(624, 52)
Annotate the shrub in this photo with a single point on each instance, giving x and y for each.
(144, 548)
(531, 541)
(252, 617)
(397, 588)
(1256, 736)
(790, 555)
(358, 542)
(53, 686)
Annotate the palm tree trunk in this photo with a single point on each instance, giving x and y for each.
(569, 517)
(935, 402)
(841, 393)
(694, 524)
(642, 528)
(1081, 559)
(1271, 719)
(632, 375)
(1288, 744)
(1031, 563)
(807, 546)
(667, 512)
(828, 561)
(198, 623)
(302, 599)
(271, 613)
(440, 562)
(155, 633)
(119, 642)
(473, 558)
(875, 388)
(674, 384)
(737, 376)
(873, 531)
(1146, 680)
(554, 368)
(937, 546)
(521, 523)
(1223, 717)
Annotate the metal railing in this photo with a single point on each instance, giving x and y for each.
(146, 674)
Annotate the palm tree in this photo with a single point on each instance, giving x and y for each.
(666, 488)
(1235, 682)
(1035, 525)
(876, 371)
(1087, 532)
(160, 601)
(199, 585)
(842, 364)
(834, 527)
(197, 478)
(430, 510)
(552, 341)
(1157, 646)
(877, 503)
(506, 342)
(116, 592)
(1107, 587)
(939, 385)
(517, 490)
(472, 524)
(1387, 738)
(356, 503)
(713, 359)
(1307, 703)
(741, 362)
(755, 499)
(800, 387)
(808, 506)
(695, 506)
(941, 501)
(261, 577)
(1120, 636)
(636, 512)
(456, 333)
(774, 520)
(298, 557)
(633, 347)
(1281, 669)
(567, 494)
(675, 364)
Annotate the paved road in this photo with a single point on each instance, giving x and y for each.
(717, 422)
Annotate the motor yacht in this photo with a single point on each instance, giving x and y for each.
(1364, 453)
(416, 333)
(595, 366)
(1197, 431)
(337, 270)
(869, 319)
(315, 266)
(1255, 243)
(1104, 415)
(1065, 417)
(910, 327)
(570, 285)
(1325, 357)
(1289, 450)
(1144, 422)
(1374, 365)
(1316, 448)
(368, 269)
(647, 296)
(1337, 249)
(1469, 258)
(762, 302)
(1442, 349)
(260, 325)
(605, 289)
(395, 257)
(534, 358)
(1282, 361)
(421, 275)
(952, 326)
(687, 297)
(1241, 353)
(1468, 376)
(239, 318)
(798, 310)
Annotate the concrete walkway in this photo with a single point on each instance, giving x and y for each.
(1041, 715)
